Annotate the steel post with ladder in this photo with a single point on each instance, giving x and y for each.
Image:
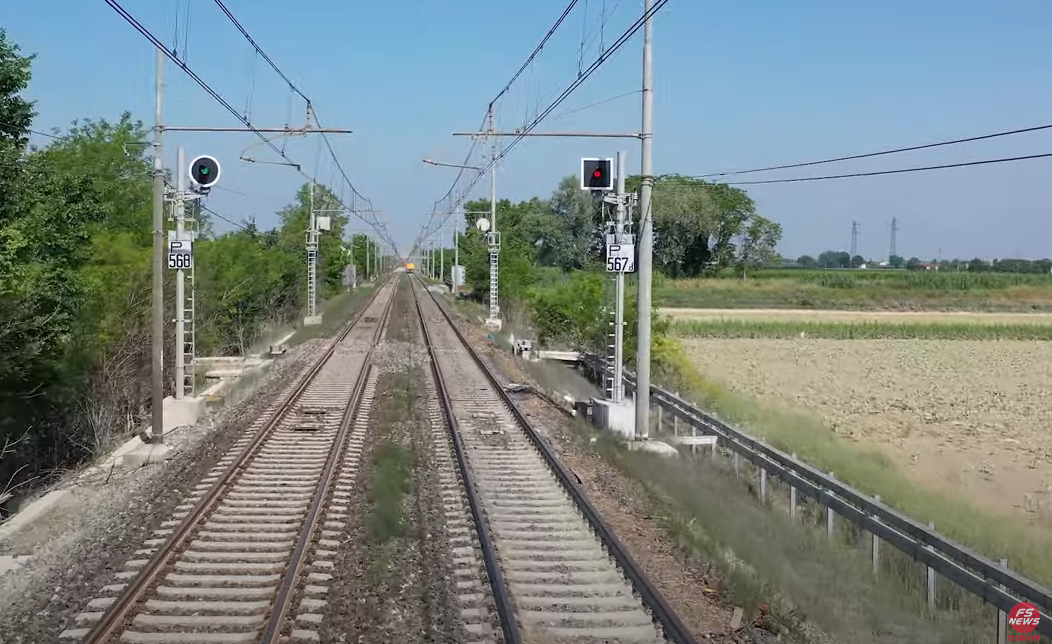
(192, 226)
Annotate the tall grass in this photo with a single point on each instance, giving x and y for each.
(865, 330)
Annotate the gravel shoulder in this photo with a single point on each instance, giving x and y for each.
(87, 536)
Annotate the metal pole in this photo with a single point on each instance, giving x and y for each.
(368, 264)
(354, 267)
(494, 244)
(441, 257)
(619, 281)
(180, 276)
(456, 256)
(312, 260)
(157, 340)
(646, 235)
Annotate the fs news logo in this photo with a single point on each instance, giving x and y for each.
(1023, 619)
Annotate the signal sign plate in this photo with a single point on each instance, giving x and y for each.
(621, 258)
(180, 251)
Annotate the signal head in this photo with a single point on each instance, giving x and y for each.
(596, 174)
(204, 171)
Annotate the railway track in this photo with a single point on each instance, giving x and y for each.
(555, 571)
(246, 558)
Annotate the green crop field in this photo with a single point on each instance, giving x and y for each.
(863, 290)
(724, 328)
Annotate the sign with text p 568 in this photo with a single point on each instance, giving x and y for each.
(620, 258)
(180, 255)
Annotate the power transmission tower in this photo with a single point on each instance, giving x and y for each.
(854, 238)
(892, 249)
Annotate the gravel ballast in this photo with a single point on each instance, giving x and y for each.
(682, 579)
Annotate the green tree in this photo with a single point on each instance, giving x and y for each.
(759, 241)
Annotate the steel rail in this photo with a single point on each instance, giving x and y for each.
(509, 625)
(113, 618)
(285, 595)
(674, 628)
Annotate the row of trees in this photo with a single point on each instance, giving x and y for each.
(843, 259)
(552, 250)
(75, 267)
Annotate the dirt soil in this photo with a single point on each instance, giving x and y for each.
(686, 582)
(88, 536)
(857, 317)
(967, 418)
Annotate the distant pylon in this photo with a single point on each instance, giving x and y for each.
(892, 250)
(854, 238)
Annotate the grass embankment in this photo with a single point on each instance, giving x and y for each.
(1025, 547)
(764, 557)
(863, 330)
(863, 289)
(335, 312)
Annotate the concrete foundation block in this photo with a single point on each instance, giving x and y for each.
(183, 412)
(619, 417)
(312, 320)
(656, 447)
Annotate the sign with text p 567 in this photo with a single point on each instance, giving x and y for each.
(620, 258)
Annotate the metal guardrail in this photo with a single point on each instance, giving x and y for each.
(973, 572)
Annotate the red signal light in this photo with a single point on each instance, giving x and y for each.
(597, 174)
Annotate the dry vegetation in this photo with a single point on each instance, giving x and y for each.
(966, 418)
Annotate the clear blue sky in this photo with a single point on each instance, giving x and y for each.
(738, 84)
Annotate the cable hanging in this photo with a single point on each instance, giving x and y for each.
(867, 155)
(896, 171)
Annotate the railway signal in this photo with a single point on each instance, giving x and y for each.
(204, 171)
(596, 174)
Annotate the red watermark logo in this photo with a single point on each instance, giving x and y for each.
(1023, 618)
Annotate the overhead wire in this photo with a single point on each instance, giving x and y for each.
(868, 155)
(582, 77)
(895, 171)
(507, 86)
(181, 64)
(292, 87)
(130, 19)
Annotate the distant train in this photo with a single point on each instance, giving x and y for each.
(409, 266)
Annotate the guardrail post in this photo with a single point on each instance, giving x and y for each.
(660, 418)
(876, 545)
(737, 464)
(1002, 617)
(830, 515)
(931, 574)
(763, 485)
(675, 425)
(792, 498)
